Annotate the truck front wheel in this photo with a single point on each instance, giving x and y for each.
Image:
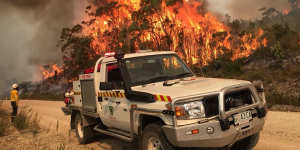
(154, 139)
(84, 134)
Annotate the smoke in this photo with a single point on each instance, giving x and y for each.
(29, 33)
(245, 9)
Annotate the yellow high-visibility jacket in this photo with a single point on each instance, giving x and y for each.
(14, 96)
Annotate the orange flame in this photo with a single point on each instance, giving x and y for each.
(52, 71)
(197, 37)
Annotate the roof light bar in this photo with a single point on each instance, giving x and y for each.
(144, 51)
(109, 54)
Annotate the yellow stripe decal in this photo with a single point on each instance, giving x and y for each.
(111, 94)
(165, 98)
(158, 97)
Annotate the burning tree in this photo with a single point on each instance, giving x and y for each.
(185, 27)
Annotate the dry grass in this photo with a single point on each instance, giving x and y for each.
(26, 134)
(43, 141)
(4, 125)
(4, 120)
(27, 119)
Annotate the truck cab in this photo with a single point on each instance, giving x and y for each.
(155, 98)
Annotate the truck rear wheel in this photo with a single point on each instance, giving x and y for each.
(246, 144)
(154, 139)
(84, 134)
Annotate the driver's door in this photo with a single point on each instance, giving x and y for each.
(116, 108)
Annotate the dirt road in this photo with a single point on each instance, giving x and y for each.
(281, 131)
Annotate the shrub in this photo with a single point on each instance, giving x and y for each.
(26, 119)
(21, 121)
(257, 75)
(274, 97)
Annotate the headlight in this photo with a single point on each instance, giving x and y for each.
(190, 110)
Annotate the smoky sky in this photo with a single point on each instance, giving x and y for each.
(29, 33)
(245, 9)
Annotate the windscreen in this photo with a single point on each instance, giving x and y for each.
(149, 69)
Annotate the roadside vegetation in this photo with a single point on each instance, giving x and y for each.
(26, 133)
(4, 122)
(25, 121)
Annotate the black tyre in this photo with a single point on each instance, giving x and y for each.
(84, 134)
(247, 143)
(154, 139)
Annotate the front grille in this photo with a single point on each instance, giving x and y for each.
(238, 98)
(211, 105)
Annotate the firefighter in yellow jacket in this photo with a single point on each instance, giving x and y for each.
(14, 99)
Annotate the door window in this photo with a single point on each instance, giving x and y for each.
(114, 75)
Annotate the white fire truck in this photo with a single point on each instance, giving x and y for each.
(155, 99)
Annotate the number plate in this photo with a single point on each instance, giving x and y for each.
(242, 118)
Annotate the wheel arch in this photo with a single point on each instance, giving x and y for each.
(87, 120)
(145, 119)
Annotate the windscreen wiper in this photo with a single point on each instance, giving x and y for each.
(155, 79)
(159, 78)
(166, 83)
(183, 74)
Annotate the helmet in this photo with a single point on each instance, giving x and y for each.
(14, 86)
(67, 94)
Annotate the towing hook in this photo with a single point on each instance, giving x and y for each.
(225, 124)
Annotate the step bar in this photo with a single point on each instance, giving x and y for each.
(115, 133)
